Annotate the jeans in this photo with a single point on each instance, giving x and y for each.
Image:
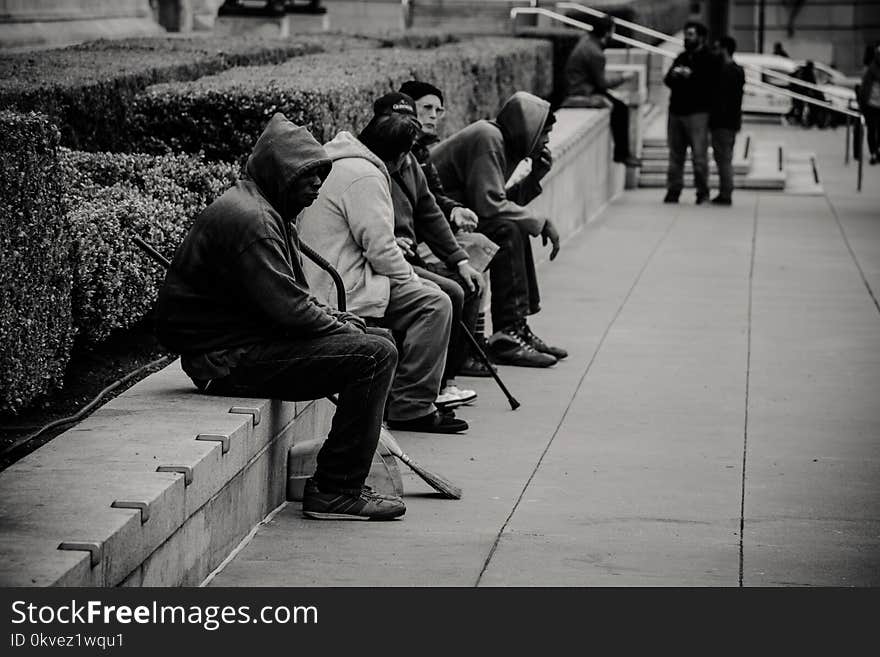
(422, 313)
(513, 278)
(359, 367)
(723, 140)
(465, 308)
(685, 130)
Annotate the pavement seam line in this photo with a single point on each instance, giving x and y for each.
(852, 253)
(742, 498)
(574, 394)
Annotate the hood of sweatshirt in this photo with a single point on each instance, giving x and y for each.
(345, 145)
(283, 153)
(521, 119)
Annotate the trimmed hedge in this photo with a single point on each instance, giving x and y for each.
(87, 88)
(223, 114)
(113, 197)
(36, 329)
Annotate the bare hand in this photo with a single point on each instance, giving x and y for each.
(464, 219)
(406, 245)
(353, 320)
(542, 163)
(472, 278)
(549, 233)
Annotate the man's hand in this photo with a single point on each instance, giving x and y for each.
(542, 163)
(549, 233)
(472, 278)
(464, 219)
(351, 318)
(406, 245)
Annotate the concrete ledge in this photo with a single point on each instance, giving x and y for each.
(62, 33)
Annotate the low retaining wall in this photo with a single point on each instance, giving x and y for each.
(160, 484)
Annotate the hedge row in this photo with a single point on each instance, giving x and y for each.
(223, 114)
(35, 278)
(70, 270)
(87, 88)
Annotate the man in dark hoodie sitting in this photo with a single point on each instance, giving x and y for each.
(236, 306)
(474, 165)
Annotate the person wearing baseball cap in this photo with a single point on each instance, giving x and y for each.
(418, 219)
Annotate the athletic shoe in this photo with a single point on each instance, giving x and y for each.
(510, 348)
(452, 397)
(539, 344)
(671, 197)
(434, 422)
(367, 505)
(720, 200)
(474, 367)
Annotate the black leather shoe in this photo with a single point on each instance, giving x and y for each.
(702, 198)
(474, 367)
(720, 200)
(434, 422)
(671, 197)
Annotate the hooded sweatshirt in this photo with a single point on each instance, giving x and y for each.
(475, 162)
(352, 226)
(236, 280)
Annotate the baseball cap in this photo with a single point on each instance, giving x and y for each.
(394, 102)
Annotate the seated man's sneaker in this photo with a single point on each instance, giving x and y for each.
(452, 396)
(367, 505)
(508, 347)
(539, 344)
(474, 367)
(439, 421)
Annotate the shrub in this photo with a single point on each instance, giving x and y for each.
(36, 329)
(87, 88)
(223, 114)
(114, 197)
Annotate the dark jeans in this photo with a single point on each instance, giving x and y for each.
(872, 122)
(685, 130)
(359, 367)
(619, 128)
(465, 308)
(512, 273)
(722, 151)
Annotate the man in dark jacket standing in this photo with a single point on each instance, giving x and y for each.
(236, 306)
(474, 165)
(691, 80)
(725, 118)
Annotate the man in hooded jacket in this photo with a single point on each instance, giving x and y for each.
(236, 305)
(352, 225)
(474, 164)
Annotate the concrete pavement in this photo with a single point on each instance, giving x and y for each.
(716, 424)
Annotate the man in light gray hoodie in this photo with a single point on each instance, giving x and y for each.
(352, 225)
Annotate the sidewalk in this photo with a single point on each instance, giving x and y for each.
(716, 423)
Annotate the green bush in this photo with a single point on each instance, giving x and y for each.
(87, 88)
(114, 197)
(36, 329)
(223, 114)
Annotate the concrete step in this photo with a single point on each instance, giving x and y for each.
(764, 181)
(740, 167)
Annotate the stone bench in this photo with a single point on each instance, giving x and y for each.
(160, 484)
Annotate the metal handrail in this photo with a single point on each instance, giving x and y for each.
(540, 11)
(635, 27)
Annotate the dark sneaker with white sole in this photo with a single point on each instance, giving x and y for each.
(439, 421)
(508, 347)
(367, 505)
(540, 345)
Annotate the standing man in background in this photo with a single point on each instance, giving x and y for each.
(725, 118)
(691, 80)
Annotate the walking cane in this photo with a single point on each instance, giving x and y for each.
(319, 260)
(436, 481)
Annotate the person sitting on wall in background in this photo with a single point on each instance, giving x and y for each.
(474, 165)
(869, 103)
(690, 79)
(725, 116)
(236, 305)
(802, 112)
(352, 225)
(417, 219)
(480, 249)
(588, 85)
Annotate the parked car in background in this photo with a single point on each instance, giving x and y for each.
(836, 88)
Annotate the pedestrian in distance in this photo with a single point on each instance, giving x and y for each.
(725, 117)
(869, 103)
(690, 79)
(236, 305)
